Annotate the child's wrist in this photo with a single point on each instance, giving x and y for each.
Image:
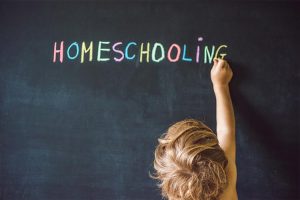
(220, 89)
(220, 86)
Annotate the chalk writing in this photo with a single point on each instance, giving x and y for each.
(144, 52)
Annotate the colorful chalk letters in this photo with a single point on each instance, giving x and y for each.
(129, 51)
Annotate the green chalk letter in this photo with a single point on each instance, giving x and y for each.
(154, 52)
(102, 49)
(208, 54)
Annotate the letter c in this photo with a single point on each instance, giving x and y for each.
(126, 51)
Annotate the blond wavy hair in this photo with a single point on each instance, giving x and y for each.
(189, 163)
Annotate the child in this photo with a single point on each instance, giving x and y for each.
(193, 163)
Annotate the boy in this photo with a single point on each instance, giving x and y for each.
(193, 163)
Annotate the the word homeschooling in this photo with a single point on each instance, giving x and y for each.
(133, 51)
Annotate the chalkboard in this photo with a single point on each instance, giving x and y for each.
(78, 128)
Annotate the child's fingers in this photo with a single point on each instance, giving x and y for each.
(220, 63)
(215, 62)
(224, 64)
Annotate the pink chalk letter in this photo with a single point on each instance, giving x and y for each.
(118, 51)
(170, 51)
(60, 51)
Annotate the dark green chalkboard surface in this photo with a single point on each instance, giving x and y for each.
(75, 130)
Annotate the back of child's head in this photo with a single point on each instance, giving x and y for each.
(189, 163)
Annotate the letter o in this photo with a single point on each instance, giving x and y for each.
(177, 55)
(77, 49)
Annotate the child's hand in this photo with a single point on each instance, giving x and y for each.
(220, 73)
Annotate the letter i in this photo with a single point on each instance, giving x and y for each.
(198, 50)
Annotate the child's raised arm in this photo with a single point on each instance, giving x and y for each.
(221, 75)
